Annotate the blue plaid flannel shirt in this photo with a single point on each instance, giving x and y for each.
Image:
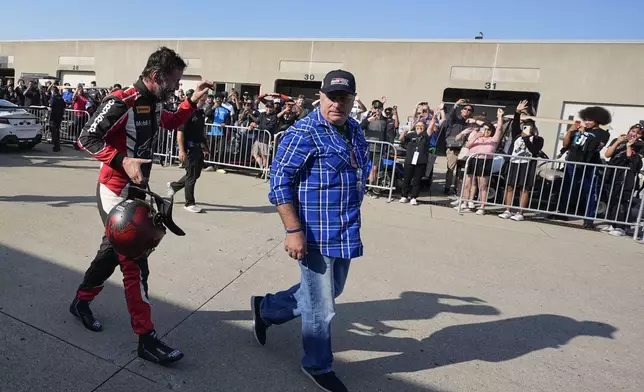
(313, 170)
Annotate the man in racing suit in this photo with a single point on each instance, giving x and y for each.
(120, 134)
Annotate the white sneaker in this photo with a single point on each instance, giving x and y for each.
(209, 169)
(221, 171)
(463, 208)
(171, 191)
(607, 229)
(193, 208)
(517, 217)
(454, 203)
(471, 205)
(413, 202)
(505, 215)
(480, 211)
(403, 200)
(617, 232)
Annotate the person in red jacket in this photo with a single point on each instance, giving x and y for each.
(120, 134)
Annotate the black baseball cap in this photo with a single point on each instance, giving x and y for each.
(339, 81)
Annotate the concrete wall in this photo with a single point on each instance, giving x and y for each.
(406, 72)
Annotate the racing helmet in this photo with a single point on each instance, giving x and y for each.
(135, 228)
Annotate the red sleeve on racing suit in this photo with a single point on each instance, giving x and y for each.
(109, 118)
(173, 120)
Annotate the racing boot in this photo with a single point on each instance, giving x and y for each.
(80, 309)
(151, 348)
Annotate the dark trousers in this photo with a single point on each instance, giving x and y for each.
(579, 183)
(415, 173)
(619, 186)
(193, 172)
(135, 279)
(54, 129)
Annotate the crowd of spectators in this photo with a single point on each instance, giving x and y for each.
(427, 132)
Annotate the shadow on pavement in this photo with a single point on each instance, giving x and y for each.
(52, 201)
(220, 349)
(44, 157)
(267, 209)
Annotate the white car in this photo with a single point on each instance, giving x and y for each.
(18, 126)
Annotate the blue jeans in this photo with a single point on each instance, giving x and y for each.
(322, 280)
(575, 182)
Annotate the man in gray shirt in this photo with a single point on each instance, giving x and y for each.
(375, 128)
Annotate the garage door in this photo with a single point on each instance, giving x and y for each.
(623, 118)
(73, 78)
(189, 82)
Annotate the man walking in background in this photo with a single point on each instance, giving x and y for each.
(190, 137)
(318, 184)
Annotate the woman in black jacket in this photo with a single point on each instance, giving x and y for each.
(621, 184)
(526, 143)
(417, 145)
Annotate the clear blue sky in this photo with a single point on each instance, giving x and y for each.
(428, 19)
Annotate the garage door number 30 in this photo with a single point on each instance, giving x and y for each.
(309, 77)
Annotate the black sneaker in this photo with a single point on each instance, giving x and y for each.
(151, 348)
(80, 309)
(259, 326)
(327, 382)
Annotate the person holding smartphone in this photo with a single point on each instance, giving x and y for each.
(584, 144)
(623, 151)
(374, 126)
(526, 143)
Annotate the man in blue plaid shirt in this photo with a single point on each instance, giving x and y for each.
(318, 182)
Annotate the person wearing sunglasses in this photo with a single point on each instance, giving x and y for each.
(455, 124)
(623, 151)
(317, 182)
(248, 114)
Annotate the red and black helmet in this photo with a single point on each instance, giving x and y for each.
(134, 228)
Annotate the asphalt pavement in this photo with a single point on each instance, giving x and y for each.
(439, 302)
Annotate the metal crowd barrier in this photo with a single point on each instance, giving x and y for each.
(239, 147)
(42, 116)
(386, 168)
(72, 125)
(592, 192)
(163, 146)
(276, 140)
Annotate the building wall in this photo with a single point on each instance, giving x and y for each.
(406, 72)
